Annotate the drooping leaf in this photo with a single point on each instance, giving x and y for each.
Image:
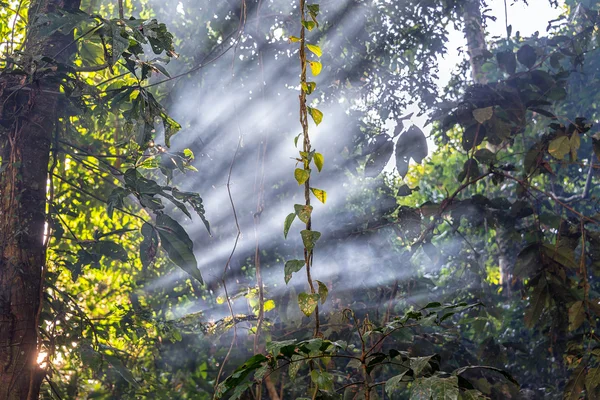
(288, 223)
(483, 114)
(537, 303)
(121, 369)
(292, 266)
(308, 303)
(319, 161)
(507, 61)
(303, 212)
(314, 49)
(315, 67)
(394, 383)
(149, 246)
(321, 195)
(316, 115)
(301, 175)
(178, 245)
(309, 238)
(323, 291)
(473, 136)
(527, 56)
(470, 170)
(576, 315)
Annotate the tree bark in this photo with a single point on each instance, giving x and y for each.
(475, 35)
(28, 116)
(476, 45)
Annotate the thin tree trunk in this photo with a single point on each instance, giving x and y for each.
(475, 35)
(27, 123)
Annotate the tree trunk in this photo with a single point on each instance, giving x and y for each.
(28, 116)
(475, 35)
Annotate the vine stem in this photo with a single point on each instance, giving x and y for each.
(308, 254)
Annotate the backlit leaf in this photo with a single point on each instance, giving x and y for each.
(315, 67)
(323, 291)
(319, 161)
(483, 114)
(301, 175)
(315, 49)
(316, 115)
(292, 266)
(178, 245)
(321, 195)
(308, 303)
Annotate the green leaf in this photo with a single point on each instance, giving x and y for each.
(292, 266)
(470, 170)
(537, 303)
(309, 238)
(559, 147)
(506, 60)
(574, 143)
(309, 87)
(315, 49)
(418, 364)
(394, 383)
(308, 303)
(323, 291)
(315, 67)
(321, 195)
(119, 43)
(485, 156)
(527, 56)
(319, 161)
(313, 9)
(592, 380)
(301, 175)
(288, 223)
(576, 315)
(118, 365)
(110, 249)
(310, 25)
(435, 388)
(576, 383)
(178, 245)
(473, 136)
(303, 212)
(323, 379)
(483, 114)
(316, 115)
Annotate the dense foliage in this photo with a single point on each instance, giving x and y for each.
(187, 258)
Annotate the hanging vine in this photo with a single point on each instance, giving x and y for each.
(308, 302)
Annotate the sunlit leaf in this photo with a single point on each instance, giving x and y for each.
(316, 115)
(315, 49)
(321, 195)
(315, 67)
(319, 161)
(292, 266)
(308, 303)
(323, 291)
(301, 175)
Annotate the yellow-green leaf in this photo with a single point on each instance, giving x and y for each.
(576, 315)
(288, 223)
(308, 303)
(294, 39)
(316, 115)
(301, 175)
(269, 305)
(321, 195)
(303, 212)
(315, 67)
(290, 267)
(323, 291)
(310, 25)
(574, 143)
(319, 161)
(315, 49)
(559, 147)
(483, 114)
(309, 87)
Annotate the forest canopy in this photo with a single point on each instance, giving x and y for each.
(295, 199)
